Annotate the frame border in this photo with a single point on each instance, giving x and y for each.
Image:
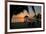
(6, 1)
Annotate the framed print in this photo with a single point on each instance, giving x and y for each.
(25, 17)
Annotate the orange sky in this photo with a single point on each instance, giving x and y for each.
(20, 17)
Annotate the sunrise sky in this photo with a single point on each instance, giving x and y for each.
(20, 17)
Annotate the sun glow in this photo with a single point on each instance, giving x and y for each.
(20, 17)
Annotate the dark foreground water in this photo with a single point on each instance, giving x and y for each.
(35, 24)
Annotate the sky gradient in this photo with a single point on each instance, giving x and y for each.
(20, 17)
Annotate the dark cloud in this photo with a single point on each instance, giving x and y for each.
(16, 9)
(33, 9)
